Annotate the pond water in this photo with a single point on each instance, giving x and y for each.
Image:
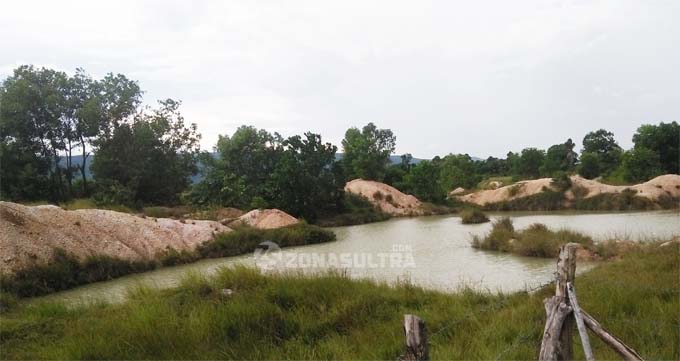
(433, 252)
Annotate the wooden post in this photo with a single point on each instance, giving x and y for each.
(416, 339)
(617, 345)
(566, 271)
(587, 350)
(557, 334)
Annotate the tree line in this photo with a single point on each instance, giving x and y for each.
(146, 156)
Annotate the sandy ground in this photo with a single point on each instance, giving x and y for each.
(668, 184)
(387, 198)
(266, 219)
(29, 234)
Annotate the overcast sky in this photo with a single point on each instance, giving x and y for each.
(477, 77)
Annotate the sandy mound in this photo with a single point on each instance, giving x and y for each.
(665, 185)
(266, 219)
(458, 191)
(510, 192)
(29, 234)
(387, 198)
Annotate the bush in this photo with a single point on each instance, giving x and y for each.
(535, 241)
(354, 209)
(377, 196)
(166, 212)
(472, 216)
(246, 239)
(627, 200)
(561, 181)
(547, 200)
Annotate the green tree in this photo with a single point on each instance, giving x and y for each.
(304, 183)
(663, 139)
(604, 146)
(423, 182)
(641, 164)
(559, 158)
(149, 159)
(457, 171)
(367, 152)
(529, 163)
(590, 165)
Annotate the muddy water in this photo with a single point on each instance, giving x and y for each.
(433, 252)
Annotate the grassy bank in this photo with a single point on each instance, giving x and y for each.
(536, 241)
(333, 317)
(66, 271)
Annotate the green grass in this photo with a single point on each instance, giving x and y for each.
(355, 210)
(472, 216)
(535, 241)
(66, 271)
(332, 317)
(88, 203)
(547, 200)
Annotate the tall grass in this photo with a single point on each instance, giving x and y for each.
(472, 216)
(294, 316)
(536, 241)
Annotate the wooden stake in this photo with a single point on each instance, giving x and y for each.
(566, 271)
(416, 339)
(587, 350)
(617, 345)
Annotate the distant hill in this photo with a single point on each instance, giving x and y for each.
(77, 160)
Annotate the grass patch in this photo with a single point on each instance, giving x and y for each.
(627, 200)
(472, 216)
(535, 241)
(88, 203)
(354, 210)
(294, 316)
(166, 212)
(246, 239)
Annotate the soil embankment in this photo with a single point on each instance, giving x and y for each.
(386, 198)
(663, 186)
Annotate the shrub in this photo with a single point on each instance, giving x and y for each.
(165, 212)
(515, 189)
(354, 209)
(561, 181)
(377, 196)
(547, 200)
(624, 201)
(472, 216)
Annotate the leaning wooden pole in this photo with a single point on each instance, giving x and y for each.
(617, 345)
(557, 334)
(585, 341)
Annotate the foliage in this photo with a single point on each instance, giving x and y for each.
(559, 158)
(546, 200)
(530, 163)
(641, 164)
(535, 241)
(627, 200)
(664, 140)
(169, 150)
(590, 165)
(246, 239)
(472, 216)
(457, 170)
(607, 151)
(353, 209)
(367, 152)
(423, 182)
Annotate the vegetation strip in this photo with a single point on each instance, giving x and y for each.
(296, 316)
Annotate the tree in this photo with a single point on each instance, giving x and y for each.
(664, 140)
(423, 182)
(303, 181)
(590, 165)
(529, 163)
(149, 159)
(559, 158)
(604, 146)
(641, 164)
(457, 171)
(367, 152)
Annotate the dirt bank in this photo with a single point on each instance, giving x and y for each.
(386, 198)
(29, 234)
(265, 219)
(665, 185)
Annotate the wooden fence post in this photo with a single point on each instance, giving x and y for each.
(416, 339)
(557, 334)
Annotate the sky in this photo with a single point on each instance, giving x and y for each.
(478, 77)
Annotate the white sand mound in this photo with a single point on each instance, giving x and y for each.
(30, 234)
(266, 219)
(664, 185)
(387, 198)
(509, 192)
